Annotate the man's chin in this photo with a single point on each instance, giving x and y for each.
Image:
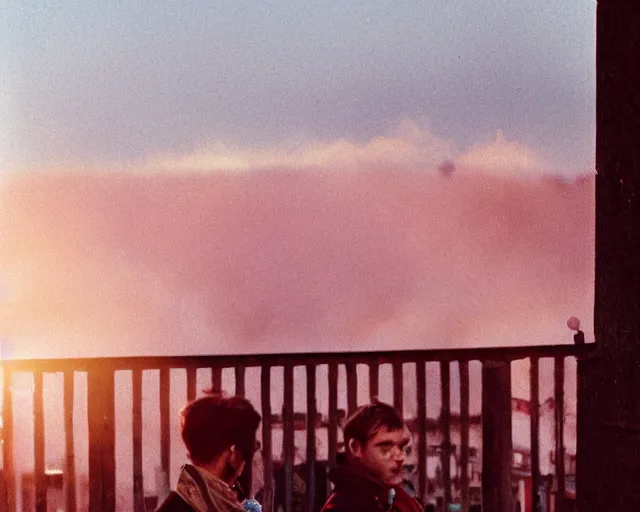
(394, 480)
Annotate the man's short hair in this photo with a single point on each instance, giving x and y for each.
(363, 424)
(213, 423)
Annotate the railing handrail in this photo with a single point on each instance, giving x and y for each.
(505, 353)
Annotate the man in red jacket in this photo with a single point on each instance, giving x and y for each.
(368, 477)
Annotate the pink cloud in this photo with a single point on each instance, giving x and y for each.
(289, 260)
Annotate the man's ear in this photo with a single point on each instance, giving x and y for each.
(234, 455)
(354, 448)
(236, 459)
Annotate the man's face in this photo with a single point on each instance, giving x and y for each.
(383, 454)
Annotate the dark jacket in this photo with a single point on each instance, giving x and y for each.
(174, 503)
(355, 491)
(198, 485)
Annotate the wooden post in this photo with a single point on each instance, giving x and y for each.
(352, 387)
(497, 454)
(374, 382)
(332, 430)
(534, 409)
(136, 427)
(267, 455)
(216, 380)
(246, 478)
(191, 383)
(559, 433)
(101, 422)
(7, 438)
(588, 407)
(70, 460)
(288, 439)
(312, 415)
(239, 372)
(165, 432)
(38, 443)
(422, 430)
(464, 435)
(445, 423)
(398, 390)
(609, 409)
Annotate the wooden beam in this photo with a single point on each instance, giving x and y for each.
(497, 452)
(299, 358)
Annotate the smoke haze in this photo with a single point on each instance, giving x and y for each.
(291, 260)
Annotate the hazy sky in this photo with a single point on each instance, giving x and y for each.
(97, 83)
(255, 173)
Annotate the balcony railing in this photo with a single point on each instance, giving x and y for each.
(497, 456)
